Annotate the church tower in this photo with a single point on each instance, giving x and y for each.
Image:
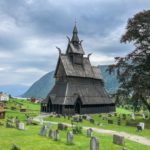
(79, 87)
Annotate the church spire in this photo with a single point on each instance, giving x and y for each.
(75, 39)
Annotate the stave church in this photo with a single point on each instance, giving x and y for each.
(79, 87)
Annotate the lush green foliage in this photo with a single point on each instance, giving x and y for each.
(133, 70)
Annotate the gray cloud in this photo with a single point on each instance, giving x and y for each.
(30, 30)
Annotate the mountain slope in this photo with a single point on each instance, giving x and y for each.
(41, 87)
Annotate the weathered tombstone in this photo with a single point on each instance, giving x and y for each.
(70, 137)
(92, 120)
(100, 124)
(143, 115)
(139, 128)
(142, 124)
(115, 114)
(41, 121)
(28, 121)
(109, 115)
(21, 126)
(84, 117)
(61, 126)
(117, 139)
(15, 147)
(43, 131)
(88, 117)
(17, 122)
(80, 119)
(133, 116)
(8, 124)
(51, 134)
(56, 135)
(94, 143)
(89, 132)
(119, 122)
(49, 124)
(12, 119)
(110, 121)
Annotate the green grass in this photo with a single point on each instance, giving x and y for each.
(30, 138)
(123, 127)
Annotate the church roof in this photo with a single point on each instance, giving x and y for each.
(75, 70)
(67, 93)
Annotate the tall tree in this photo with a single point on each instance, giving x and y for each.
(133, 70)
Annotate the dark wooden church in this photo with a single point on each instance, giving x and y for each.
(79, 87)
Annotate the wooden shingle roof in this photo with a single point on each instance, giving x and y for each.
(85, 70)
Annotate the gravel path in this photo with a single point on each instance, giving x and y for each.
(135, 138)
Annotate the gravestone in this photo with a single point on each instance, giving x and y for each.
(100, 124)
(84, 117)
(119, 122)
(109, 115)
(133, 116)
(94, 143)
(92, 120)
(62, 126)
(119, 140)
(88, 117)
(28, 121)
(70, 137)
(17, 122)
(89, 132)
(110, 121)
(139, 128)
(41, 121)
(56, 135)
(115, 114)
(43, 131)
(15, 147)
(21, 126)
(8, 124)
(12, 119)
(80, 119)
(142, 124)
(51, 134)
(143, 115)
(49, 125)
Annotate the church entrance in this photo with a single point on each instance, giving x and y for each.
(77, 107)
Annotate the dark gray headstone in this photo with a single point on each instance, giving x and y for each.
(49, 125)
(119, 140)
(89, 132)
(56, 135)
(70, 137)
(94, 143)
(43, 131)
(29, 121)
(51, 134)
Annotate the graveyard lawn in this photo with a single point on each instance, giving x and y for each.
(30, 139)
(122, 128)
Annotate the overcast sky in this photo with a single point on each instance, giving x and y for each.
(31, 29)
